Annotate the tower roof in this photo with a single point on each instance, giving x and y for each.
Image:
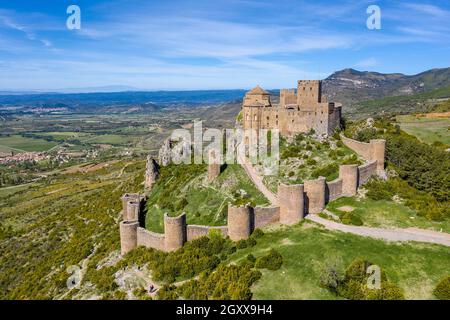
(257, 90)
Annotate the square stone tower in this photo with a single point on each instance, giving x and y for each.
(309, 92)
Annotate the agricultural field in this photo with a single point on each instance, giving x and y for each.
(17, 144)
(428, 129)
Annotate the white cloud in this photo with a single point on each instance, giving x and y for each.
(366, 63)
(428, 9)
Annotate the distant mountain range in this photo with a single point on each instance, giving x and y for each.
(350, 86)
(358, 91)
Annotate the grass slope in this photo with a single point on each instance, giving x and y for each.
(415, 267)
(387, 214)
(69, 219)
(428, 130)
(184, 188)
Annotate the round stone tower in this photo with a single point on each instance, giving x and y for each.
(315, 195)
(291, 200)
(133, 210)
(239, 222)
(349, 175)
(174, 232)
(377, 150)
(128, 235)
(127, 197)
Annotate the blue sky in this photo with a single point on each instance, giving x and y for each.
(213, 44)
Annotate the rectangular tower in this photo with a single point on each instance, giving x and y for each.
(309, 92)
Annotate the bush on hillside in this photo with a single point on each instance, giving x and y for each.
(442, 290)
(272, 261)
(353, 284)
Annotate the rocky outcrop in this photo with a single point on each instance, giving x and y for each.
(151, 172)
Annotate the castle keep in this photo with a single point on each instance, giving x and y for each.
(299, 110)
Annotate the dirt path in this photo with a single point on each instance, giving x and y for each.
(257, 180)
(409, 234)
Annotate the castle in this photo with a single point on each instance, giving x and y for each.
(296, 113)
(299, 111)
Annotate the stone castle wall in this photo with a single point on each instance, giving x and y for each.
(361, 148)
(195, 231)
(150, 239)
(174, 232)
(266, 215)
(333, 190)
(315, 195)
(128, 235)
(372, 151)
(295, 201)
(349, 175)
(240, 222)
(365, 171)
(292, 204)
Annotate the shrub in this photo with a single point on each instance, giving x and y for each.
(332, 274)
(352, 160)
(353, 285)
(167, 292)
(272, 261)
(328, 171)
(340, 152)
(351, 218)
(241, 244)
(442, 290)
(257, 233)
(311, 162)
(227, 283)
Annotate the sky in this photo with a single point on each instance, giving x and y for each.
(214, 44)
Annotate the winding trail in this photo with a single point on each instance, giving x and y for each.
(397, 234)
(408, 234)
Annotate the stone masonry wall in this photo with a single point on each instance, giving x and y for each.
(266, 215)
(150, 239)
(361, 148)
(333, 189)
(365, 171)
(195, 231)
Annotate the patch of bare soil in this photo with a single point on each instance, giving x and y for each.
(346, 208)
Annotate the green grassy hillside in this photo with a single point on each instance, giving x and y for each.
(65, 220)
(306, 249)
(184, 188)
(421, 102)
